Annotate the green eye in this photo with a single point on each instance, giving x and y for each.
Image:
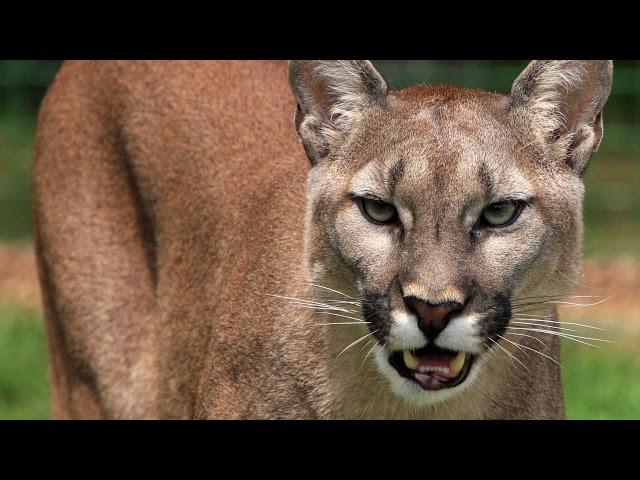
(501, 214)
(378, 212)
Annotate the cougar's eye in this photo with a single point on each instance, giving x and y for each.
(378, 212)
(501, 214)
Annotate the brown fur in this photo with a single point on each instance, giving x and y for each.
(170, 197)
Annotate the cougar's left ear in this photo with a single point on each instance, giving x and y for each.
(331, 97)
(564, 99)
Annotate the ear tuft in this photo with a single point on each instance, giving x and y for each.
(564, 100)
(331, 97)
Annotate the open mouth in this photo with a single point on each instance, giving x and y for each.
(431, 367)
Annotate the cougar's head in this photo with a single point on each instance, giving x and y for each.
(439, 210)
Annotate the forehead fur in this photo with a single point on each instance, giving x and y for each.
(443, 138)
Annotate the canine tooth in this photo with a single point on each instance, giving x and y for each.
(456, 364)
(410, 360)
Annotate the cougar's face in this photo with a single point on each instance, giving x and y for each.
(440, 215)
(440, 211)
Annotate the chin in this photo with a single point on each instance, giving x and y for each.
(423, 390)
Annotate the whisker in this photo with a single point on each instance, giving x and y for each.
(571, 304)
(317, 306)
(536, 319)
(515, 344)
(536, 324)
(564, 335)
(534, 309)
(560, 333)
(365, 345)
(586, 296)
(344, 316)
(356, 342)
(508, 353)
(368, 353)
(574, 339)
(331, 290)
(520, 299)
(518, 306)
(345, 301)
(529, 336)
(302, 300)
(551, 299)
(340, 323)
(576, 282)
(331, 309)
(558, 296)
(533, 349)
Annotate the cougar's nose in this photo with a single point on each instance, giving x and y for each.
(432, 318)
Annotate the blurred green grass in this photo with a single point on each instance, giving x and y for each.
(24, 386)
(598, 383)
(601, 384)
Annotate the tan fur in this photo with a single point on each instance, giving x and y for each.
(448, 293)
(171, 197)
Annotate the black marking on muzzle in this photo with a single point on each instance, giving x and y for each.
(500, 314)
(371, 305)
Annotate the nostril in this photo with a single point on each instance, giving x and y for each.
(432, 318)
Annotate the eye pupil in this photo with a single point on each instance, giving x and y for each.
(378, 212)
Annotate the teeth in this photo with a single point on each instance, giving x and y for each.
(410, 360)
(456, 364)
(430, 369)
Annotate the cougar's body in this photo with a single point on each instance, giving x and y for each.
(176, 208)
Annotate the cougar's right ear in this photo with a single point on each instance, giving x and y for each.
(331, 96)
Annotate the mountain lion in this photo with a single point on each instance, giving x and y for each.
(400, 257)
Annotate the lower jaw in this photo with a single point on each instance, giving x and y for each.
(431, 380)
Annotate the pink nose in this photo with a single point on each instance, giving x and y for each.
(432, 319)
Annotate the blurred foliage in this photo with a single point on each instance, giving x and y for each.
(24, 386)
(23, 83)
(600, 384)
(16, 141)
